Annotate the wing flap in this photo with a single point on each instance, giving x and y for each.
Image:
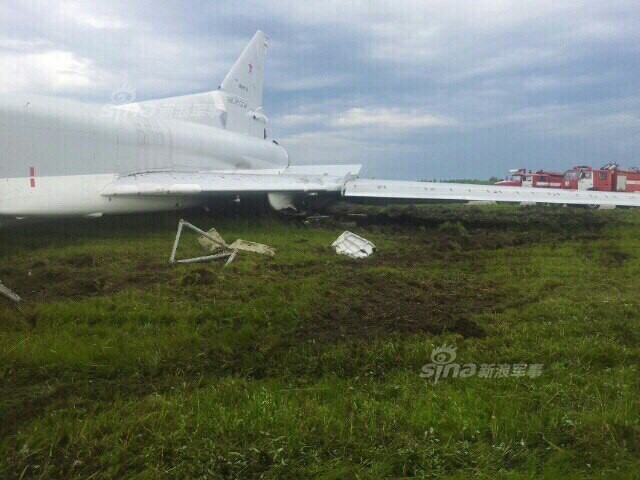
(186, 184)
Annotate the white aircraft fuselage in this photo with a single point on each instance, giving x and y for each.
(58, 155)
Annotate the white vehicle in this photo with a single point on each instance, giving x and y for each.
(61, 157)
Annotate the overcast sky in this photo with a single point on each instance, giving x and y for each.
(411, 89)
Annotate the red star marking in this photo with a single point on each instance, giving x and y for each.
(250, 68)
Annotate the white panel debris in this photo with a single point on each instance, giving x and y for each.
(353, 245)
(9, 294)
(213, 242)
(215, 245)
(253, 247)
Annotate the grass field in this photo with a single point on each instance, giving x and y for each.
(307, 365)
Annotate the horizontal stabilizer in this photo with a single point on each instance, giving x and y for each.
(235, 106)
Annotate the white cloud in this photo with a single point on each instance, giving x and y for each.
(390, 118)
(28, 46)
(50, 71)
(547, 82)
(332, 146)
(454, 41)
(600, 124)
(82, 14)
(287, 82)
(589, 120)
(85, 50)
(395, 119)
(296, 120)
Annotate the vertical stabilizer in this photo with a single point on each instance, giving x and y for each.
(246, 79)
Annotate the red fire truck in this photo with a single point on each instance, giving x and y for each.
(609, 178)
(540, 179)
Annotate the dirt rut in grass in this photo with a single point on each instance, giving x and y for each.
(369, 305)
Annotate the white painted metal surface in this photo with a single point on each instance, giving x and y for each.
(390, 189)
(353, 245)
(324, 170)
(4, 291)
(214, 242)
(76, 195)
(177, 183)
(253, 247)
(224, 252)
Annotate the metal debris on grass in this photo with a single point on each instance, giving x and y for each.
(9, 294)
(353, 245)
(253, 247)
(213, 242)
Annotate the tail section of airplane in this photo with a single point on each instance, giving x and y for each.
(240, 94)
(235, 106)
(246, 79)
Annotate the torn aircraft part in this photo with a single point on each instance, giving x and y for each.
(353, 245)
(281, 201)
(213, 242)
(253, 247)
(227, 252)
(9, 294)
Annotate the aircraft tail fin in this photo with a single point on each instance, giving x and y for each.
(246, 78)
(235, 106)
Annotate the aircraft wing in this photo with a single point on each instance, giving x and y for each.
(340, 180)
(403, 190)
(292, 180)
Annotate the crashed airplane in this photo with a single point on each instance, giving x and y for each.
(63, 158)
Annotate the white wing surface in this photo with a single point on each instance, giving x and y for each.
(318, 179)
(340, 179)
(401, 190)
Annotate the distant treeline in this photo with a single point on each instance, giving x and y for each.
(490, 181)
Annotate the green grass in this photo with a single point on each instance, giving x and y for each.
(307, 365)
